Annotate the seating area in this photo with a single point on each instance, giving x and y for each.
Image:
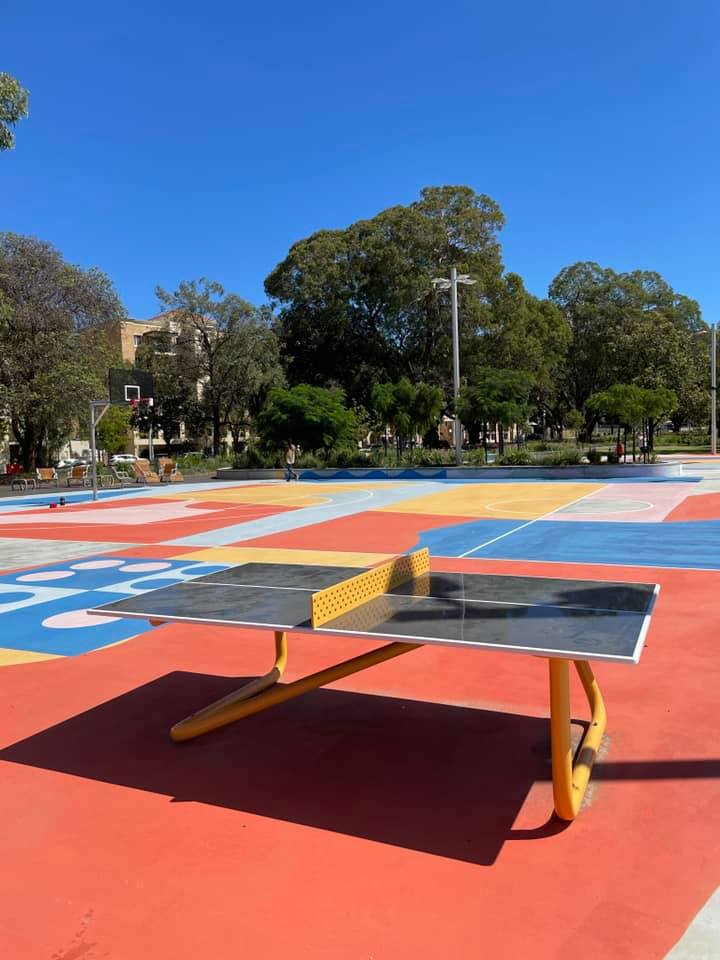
(169, 472)
(78, 475)
(46, 476)
(144, 472)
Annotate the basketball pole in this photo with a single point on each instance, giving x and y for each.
(98, 409)
(713, 389)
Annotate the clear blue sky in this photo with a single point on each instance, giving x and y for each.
(173, 140)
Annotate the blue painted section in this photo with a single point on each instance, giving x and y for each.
(493, 473)
(458, 538)
(22, 628)
(693, 545)
(428, 473)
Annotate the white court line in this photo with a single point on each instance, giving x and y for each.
(528, 524)
(585, 563)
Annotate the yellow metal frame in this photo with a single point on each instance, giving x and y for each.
(262, 693)
(570, 781)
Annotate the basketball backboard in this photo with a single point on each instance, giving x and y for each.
(130, 384)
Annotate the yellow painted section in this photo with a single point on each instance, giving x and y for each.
(295, 494)
(291, 495)
(10, 657)
(334, 601)
(233, 555)
(521, 501)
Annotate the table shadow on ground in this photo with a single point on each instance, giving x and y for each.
(446, 780)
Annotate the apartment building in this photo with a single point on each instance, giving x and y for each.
(129, 332)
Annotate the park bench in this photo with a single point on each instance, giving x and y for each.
(169, 472)
(46, 475)
(78, 474)
(116, 478)
(144, 473)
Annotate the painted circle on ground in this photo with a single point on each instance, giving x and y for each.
(155, 584)
(604, 506)
(96, 564)
(44, 575)
(72, 619)
(144, 567)
(15, 597)
(528, 509)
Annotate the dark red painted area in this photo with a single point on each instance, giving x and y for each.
(373, 531)
(703, 506)
(402, 814)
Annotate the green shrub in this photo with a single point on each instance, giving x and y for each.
(347, 457)
(253, 458)
(612, 457)
(516, 458)
(694, 438)
(196, 463)
(476, 458)
(564, 458)
(594, 455)
(310, 461)
(424, 457)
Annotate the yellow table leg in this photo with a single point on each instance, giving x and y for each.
(202, 720)
(570, 782)
(243, 704)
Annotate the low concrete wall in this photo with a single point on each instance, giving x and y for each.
(589, 471)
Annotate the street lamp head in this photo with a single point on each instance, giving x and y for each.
(465, 278)
(440, 283)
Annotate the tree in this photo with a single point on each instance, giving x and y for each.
(630, 406)
(13, 107)
(212, 343)
(574, 420)
(522, 332)
(657, 402)
(312, 417)
(112, 431)
(356, 306)
(253, 370)
(496, 397)
(55, 342)
(175, 388)
(408, 408)
(625, 327)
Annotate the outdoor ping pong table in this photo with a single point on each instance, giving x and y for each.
(404, 602)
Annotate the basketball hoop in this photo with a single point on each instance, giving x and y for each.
(142, 402)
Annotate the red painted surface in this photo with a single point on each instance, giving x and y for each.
(373, 531)
(703, 506)
(400, 815)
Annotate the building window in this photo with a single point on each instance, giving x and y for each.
(137, 339)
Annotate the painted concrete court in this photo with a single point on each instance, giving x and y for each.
(401, 813)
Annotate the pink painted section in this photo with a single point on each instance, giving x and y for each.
(135, 515)
(44, 575)
(628, 503)
(72, 619)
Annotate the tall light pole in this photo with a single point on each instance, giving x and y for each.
(713, 389)
(441, 283)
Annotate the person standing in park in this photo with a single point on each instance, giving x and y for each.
(290, 453)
